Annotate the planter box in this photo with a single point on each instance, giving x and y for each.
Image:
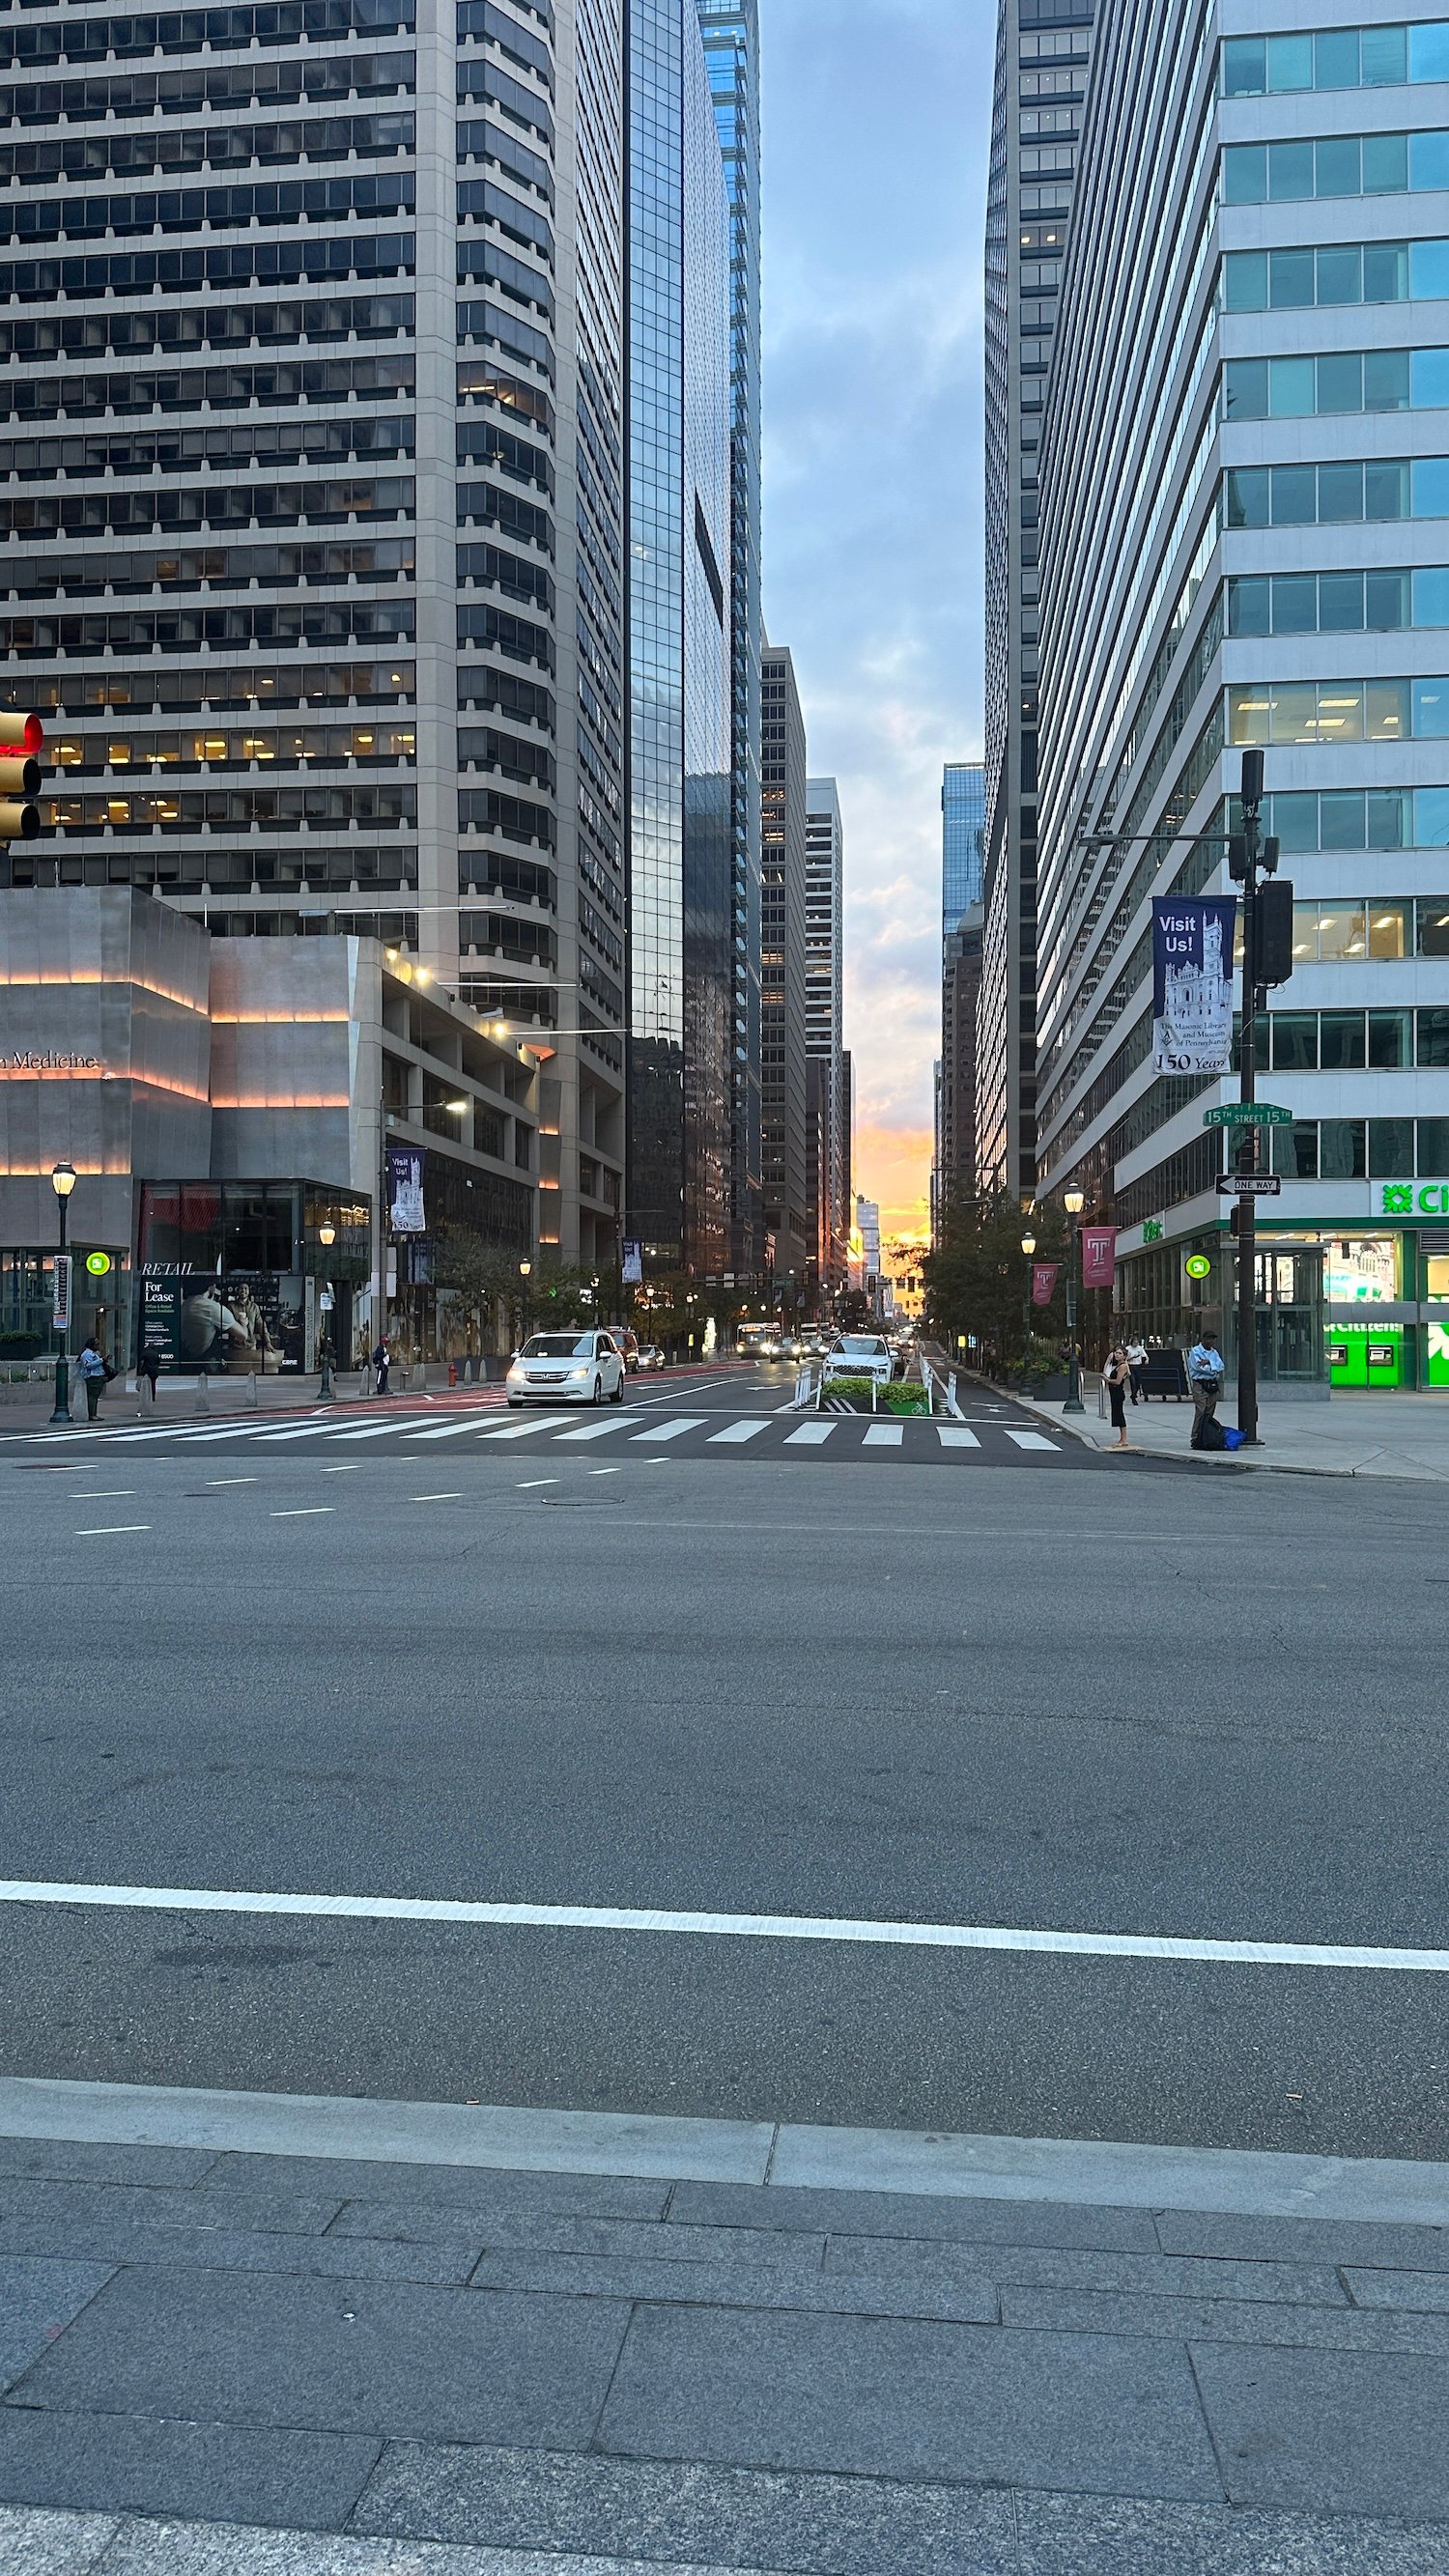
(1047, 1390)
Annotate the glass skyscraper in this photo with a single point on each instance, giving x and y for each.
(316, 495)
(963, 839)
(681, 1049)
(732, 54)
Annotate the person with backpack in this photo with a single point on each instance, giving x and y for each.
(1205, 1375)
(148, 1369)
(382, 1361)
(93, 1372)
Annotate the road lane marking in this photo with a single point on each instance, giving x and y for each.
(452, 1430)
(435, 1498)
(304, 1512)
(811, 1435)
(524, 1430)
(101, 1493)
(1165, 1948)
(532, 1483)
(603, 1471)
(596, 1430)
(673, 1430)
(735, 1431)
(233, 1480)
(1030, 1440)
(353, 1468)
(113, 1529)
(884, 1435)
(953, 1436)
(380, 1430)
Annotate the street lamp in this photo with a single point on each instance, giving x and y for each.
(1028, 1245)
(326, 1392)
(1073, 1201)
(62, 1181)
(525, 1273)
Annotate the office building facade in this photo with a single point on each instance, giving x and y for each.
(783, 1056)
(1245, 535)
(963, 839)
(953, 1177)
(732, 57)
(680, 662)
(825, 1026)
(313, 486)
(1042, 53)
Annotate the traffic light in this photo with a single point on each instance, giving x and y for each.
(22, 738)
(1273, 932)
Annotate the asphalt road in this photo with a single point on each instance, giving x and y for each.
(1120, 1698)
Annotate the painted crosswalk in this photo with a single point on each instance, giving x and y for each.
(645, 1424)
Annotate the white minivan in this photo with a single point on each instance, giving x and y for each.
(566, 1368)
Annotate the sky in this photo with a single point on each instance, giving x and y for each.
(876, 117)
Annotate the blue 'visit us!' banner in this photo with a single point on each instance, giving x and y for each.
(1192, 982)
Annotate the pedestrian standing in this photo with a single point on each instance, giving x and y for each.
(1137, 1363)
(148, 1369)
(1205, 1375)
(92, 1369)
(382, 1361)
(1118, 1375)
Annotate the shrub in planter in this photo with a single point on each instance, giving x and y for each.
(851, 1390)
(903, 1399)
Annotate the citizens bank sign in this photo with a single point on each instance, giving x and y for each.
(1411, 1198)
(46, 1060)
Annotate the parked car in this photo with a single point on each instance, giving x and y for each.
(651, 1357)
(566, 1368)
(860, 1355)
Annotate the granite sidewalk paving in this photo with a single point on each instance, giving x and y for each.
(1404, 1436)
(216, 2361)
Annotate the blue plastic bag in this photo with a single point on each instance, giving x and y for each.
(1233, 1439)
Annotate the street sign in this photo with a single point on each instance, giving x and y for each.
(1198, 1266)
(60, 1309)
(1249, 1185)
(1248, 1113)
(98, 1263)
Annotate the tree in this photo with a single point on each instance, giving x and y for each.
(976, 1280)
(480, 1275)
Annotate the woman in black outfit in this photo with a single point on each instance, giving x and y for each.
(1118, 1379)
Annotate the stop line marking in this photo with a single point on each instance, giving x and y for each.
(751, 1927)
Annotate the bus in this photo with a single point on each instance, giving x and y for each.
(757, 1341)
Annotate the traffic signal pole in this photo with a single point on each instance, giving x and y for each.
(1245, 1209)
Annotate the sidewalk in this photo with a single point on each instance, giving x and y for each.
(556, 2344)
(1350, 1435)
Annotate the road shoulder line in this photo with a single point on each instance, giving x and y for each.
(787, 2155)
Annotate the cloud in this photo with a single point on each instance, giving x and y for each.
(876, 118)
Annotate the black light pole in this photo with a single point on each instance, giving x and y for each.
(1243, 864)
(326, 1392)
(62, 1181)
(1073, 1201)
(1028, 1245)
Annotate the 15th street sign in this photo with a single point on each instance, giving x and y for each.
(1248, 1113)
(1249, 1185)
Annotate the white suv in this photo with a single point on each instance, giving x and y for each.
(566, 1368)
(860, 1355)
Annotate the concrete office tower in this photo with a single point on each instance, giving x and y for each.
(1042, 52)
(954, 1177)
(963, 839)
(824, 1024)
(680, 877)
(732, 56)
(783, 976)
(317, 496)
(1245, 529)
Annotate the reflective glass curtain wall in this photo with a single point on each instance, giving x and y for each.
(963, 839)
(680, 1053)
(732, 56)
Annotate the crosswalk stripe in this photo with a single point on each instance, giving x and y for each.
(306, 1431)
(524, 1430)
(884, 1435)
(811, 1435)
(953, 1436)
(596, 1430)
(739, 1431)
(1030, 1440)
(380, 1430)
(672, 1430)
(449, 1430)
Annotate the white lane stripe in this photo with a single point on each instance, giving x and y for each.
(113, 1529)
(674, 1430)
(380, 1430)
(452, 1430)
(750, 1927)
(952, 1437)
(738, 1431)
(884, 1435)
(596, 1430)
(1030, 1440)
(811, 1435)
(307, 1431)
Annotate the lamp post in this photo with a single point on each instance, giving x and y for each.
(62, 1181)
(1028, 1245)
(1073, 1201)
(525, 1273)
(326, 1392)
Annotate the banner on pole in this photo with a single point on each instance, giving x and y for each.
(60, 1306)
(405, 1211)
(1192, 982)
(633, 1265)
(1099, 1255)
(1044, 1282)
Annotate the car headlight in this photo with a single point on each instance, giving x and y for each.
(578, 1372)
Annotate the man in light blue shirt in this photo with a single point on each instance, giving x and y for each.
(1205, 1375)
